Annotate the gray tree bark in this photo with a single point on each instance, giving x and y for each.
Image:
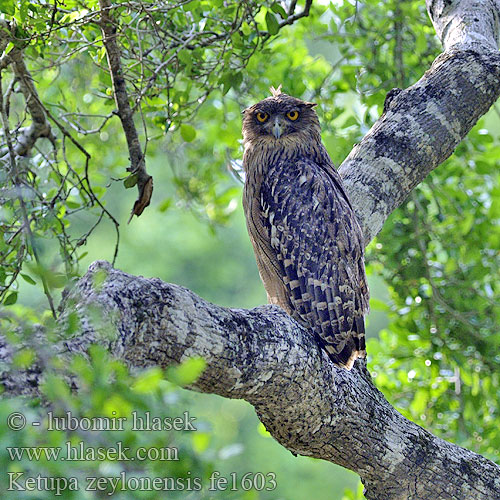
(310, 406)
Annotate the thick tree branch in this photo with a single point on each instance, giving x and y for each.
(424, 123)
(310, 406)
(466, 24)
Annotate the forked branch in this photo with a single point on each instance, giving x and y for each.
(310, 406)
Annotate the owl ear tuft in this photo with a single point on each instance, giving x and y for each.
(310, 104)
(275, 92)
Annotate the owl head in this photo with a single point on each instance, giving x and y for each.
(280, 118)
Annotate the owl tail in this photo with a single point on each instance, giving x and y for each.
(353, 349)
(359, 337)
(345, 358)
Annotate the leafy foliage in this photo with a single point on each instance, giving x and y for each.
(444, 307)
(107, 389)
(173, 56)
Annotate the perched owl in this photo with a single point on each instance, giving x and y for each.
(307, 241)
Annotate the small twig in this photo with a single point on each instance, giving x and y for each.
(398, 48)
(125, 112)
(26, 222)
(436, 294)
(40, 126)
(295, 17)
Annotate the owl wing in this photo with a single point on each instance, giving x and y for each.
(319, 249)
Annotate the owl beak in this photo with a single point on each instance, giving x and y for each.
(277, 128)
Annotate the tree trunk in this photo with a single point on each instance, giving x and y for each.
(310, 406)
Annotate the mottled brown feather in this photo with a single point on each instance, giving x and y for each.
(307, 241)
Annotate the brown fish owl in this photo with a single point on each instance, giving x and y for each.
(307, 241)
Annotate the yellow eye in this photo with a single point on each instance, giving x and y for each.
(292, 115)
(262, 117)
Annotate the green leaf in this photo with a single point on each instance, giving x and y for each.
(225, 80)
(378, 305)
(272, 23)
(84, 254)
(72, 323)
(55, 387)
(165, 205)
(28, 279)
(130, 181)
(261, 429)
(187, 372)
(188, 132)
(278, 9)
(419, 402)
(99, 278)
(148, 381)
(10, 299)
(236, 79)
(117, 406)
(24, 358)
(246, 29)
(57, 280)
(23, 11)
(73, 204)
(200, 441)
(7, 7)
(185, 57)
